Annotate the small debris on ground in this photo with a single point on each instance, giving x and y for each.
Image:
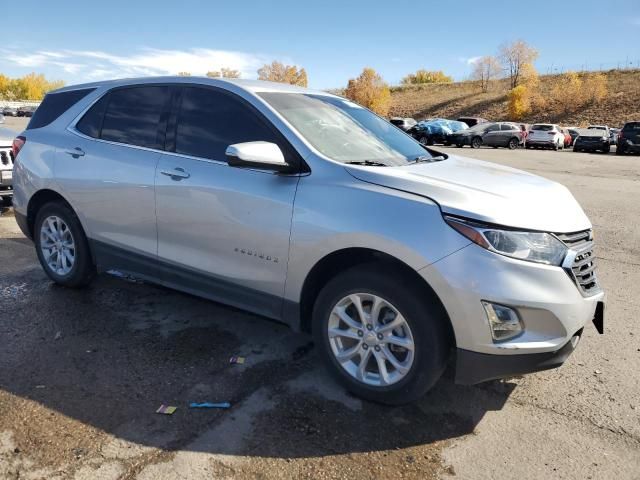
(236, 360)
(166, 409)
(210, 405)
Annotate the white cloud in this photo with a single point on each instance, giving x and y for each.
(79, 65)
(470, 60)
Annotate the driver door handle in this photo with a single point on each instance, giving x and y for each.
(75, 153)
(176, 174)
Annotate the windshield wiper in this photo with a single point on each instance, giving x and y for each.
(367, 162)
(427, 158)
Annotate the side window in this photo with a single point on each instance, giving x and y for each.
(91, 122)
(209, 121)
(54, 105)
(493, 128)
(133, 116)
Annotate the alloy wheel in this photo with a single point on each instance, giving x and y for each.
(57, 245)
(371, 340)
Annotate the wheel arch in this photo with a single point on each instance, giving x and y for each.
(338, 261)
(41, 198)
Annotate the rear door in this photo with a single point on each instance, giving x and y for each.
(223, 231)
(107, 169)
(507, 132)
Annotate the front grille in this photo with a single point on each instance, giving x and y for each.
(580, 263)
(6, 157)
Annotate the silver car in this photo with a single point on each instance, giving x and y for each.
(309, 209)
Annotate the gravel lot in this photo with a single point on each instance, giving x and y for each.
(82, 373)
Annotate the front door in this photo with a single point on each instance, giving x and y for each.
(223, 231)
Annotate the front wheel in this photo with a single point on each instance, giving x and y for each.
(62, 247)
(476, 142)
(380, 337)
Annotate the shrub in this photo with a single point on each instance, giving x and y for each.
(426, 76)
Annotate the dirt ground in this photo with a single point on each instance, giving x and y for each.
(83, 372)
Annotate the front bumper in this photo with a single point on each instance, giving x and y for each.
(546, 298)
(474, 367)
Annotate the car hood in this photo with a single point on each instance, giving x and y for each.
(485, 192)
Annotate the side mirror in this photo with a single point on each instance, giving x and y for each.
(258, 155)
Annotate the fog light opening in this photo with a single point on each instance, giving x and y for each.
(504, 322)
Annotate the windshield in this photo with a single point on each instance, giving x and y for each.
(344, 131)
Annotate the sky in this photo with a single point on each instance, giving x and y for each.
(80, 41)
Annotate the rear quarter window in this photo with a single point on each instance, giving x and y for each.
(54, 105)
(632, 127)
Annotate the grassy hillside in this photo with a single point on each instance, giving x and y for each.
(466, 99)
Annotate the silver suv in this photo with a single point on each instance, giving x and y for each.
(306, 208)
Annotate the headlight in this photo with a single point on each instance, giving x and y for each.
(530, 246)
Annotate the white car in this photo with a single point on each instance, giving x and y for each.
(545, 135)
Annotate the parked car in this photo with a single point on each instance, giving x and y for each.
(496, 134)
(6, 169)
(472, 136)
(613, 136)
(403, 123)
(507, 134)
(472, 121)
(303, 207)
(10, 112)
(592, 140)
(436, 130)
(545, 135)
(567, 137)
(1, 118)
(629, 139)
(26, 111)
(573, 131)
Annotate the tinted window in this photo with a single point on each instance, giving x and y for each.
(542, 128)
(631, 127)
(493, 128)
(209, 121)
(91, 122)
(506, 126)
(54, 105)
(133, 116)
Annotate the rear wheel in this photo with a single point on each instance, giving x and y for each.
(606, 149)
(513, 144)
(380, 337)
(62, 247)
(476, 142)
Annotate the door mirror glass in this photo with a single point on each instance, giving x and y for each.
(258, 155)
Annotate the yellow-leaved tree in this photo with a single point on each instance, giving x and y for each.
(370, 90)
(426, 76)
(279, 72)
(224, 73)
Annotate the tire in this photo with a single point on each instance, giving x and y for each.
(513, 144)
(82, 270)
(424, 140)
(606, 149)
(476, 142)
(425, 326)
(619, 151)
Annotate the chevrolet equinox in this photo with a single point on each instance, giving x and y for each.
(309, 209)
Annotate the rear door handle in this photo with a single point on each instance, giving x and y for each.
(177, 173)
(75, 153)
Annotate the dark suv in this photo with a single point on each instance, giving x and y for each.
(629, 139)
